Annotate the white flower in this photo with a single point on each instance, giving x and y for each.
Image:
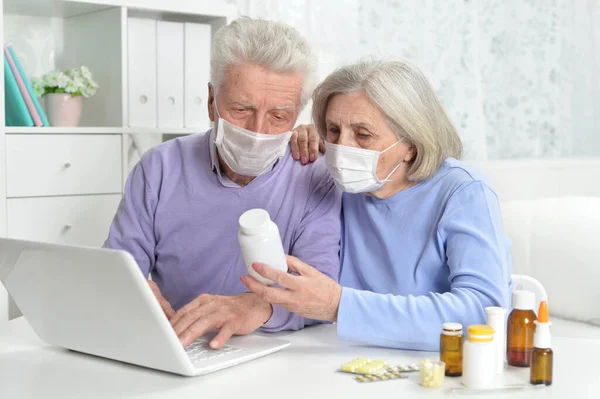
(63, 80)
(75, 73)
(79, 83)
(88, 91)
(38, 91)
(51, 79)
(92, 83)
(71, 87)
(38, 86)
(85, 72)
(35, 81)
(91, 91)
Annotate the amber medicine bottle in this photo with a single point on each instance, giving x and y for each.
(541, 356)
(451, 348)
(520, 329)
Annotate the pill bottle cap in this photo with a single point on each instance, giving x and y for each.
(523, 300)
(480, 333)
(452, 329)
(254, 221)
(495, 310)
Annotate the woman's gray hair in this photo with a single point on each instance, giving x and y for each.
(408, 101)
(273, 45)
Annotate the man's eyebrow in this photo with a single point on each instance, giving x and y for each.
(283, 107)
(251, 106)
(244, 104)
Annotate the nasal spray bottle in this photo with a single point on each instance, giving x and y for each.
(541, 356)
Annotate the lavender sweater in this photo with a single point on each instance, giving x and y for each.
(179, 219)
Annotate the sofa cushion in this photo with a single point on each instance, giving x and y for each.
(557, 241)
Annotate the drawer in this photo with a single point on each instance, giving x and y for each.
(76, 220)
(40, 165)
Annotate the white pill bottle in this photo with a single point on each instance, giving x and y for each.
(479, 358)
(260, 242)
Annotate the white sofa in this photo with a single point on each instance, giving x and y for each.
(551, 211)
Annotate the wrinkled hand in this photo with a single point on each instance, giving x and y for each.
(164, 304)
(312, 294)
(239, 315)
(306, 144)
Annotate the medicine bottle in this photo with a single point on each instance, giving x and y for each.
(520, 329)
(260, 242)
(495, 317)
(451, 348)
(541, 356)
(479, 358)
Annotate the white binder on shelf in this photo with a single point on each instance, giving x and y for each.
(170, 55)
(141, 57)
(197, 75)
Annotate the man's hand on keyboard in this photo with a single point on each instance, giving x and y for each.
(231, 315)
(164, 304)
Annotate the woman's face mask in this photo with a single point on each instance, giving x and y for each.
(248, 153)
(354, 170)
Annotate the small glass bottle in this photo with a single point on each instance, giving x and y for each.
(451, 348)
(520, 329)
(541, 356)
(479, 361)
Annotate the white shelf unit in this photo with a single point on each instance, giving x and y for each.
(10, 130)
(63, 185)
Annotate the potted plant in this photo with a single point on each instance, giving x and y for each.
(64, 93)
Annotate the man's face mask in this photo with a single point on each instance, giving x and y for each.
(248, 153)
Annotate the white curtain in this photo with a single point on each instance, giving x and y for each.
(518, 77)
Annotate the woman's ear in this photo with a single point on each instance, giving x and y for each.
(411, 154)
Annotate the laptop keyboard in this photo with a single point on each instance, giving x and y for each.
(199, 350)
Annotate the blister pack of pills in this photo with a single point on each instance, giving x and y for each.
(377, 370)
(385, 376)
(364, 366)
(404, 368)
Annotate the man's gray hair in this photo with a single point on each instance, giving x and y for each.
(406, 99)
(273, 45)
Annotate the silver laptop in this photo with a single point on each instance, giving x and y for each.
(96, 301)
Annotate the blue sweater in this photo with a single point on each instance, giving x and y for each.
(431, 254)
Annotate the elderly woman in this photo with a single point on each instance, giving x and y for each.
(422, 239)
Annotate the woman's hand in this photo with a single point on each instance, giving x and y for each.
(311, 294)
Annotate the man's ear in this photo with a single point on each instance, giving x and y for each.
(210, 104)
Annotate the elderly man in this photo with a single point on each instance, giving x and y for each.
(179, 214)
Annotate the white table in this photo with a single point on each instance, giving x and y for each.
(31, 369)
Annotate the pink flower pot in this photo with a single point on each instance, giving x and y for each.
(63, 109)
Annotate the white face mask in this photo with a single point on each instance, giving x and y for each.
(248, 153)
(354, 170)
